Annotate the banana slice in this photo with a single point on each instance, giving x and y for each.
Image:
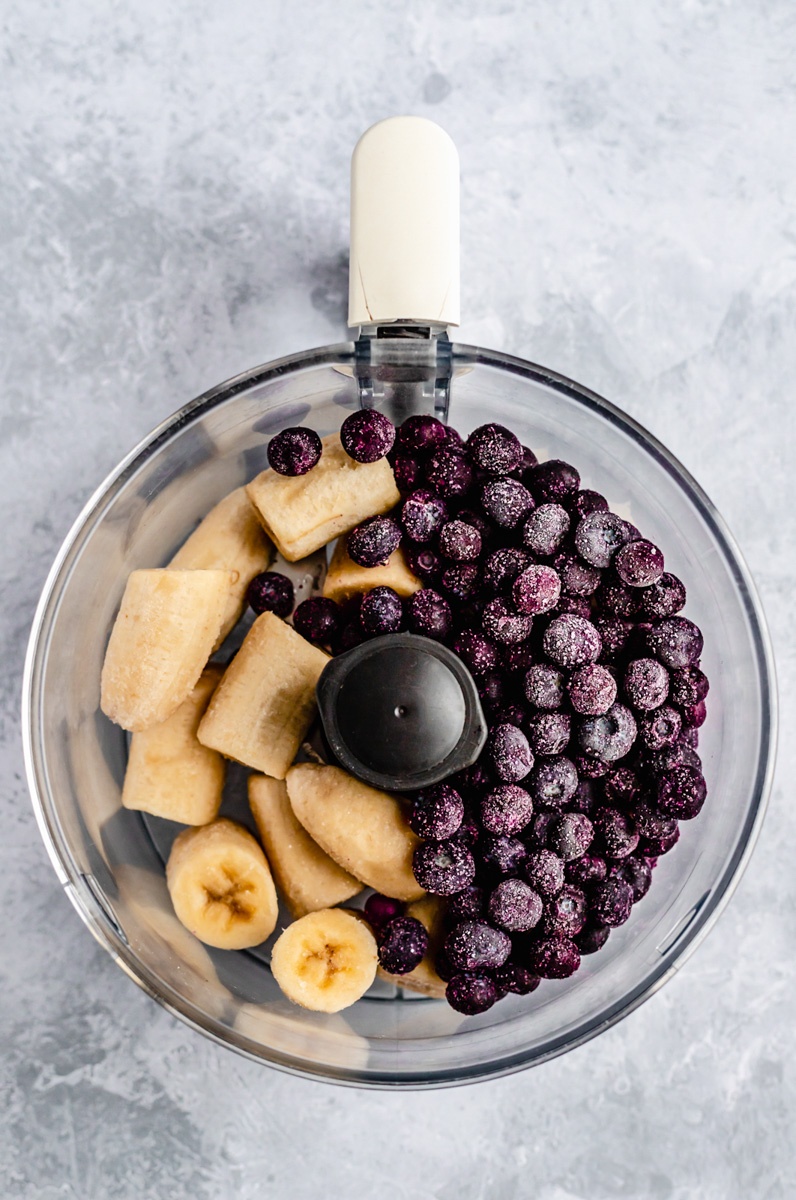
(345, 578)
(221, 887)
(301, 513)
(264, 705)
(164, 634)
(169, 773)
(325, 961)
(430, 911)
(362, 829)
(307, 878)
(230, 538)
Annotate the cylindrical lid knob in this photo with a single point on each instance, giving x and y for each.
(404, 225)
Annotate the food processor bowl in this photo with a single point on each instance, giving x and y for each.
(111, 860)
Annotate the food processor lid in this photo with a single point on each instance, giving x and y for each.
(404, 225)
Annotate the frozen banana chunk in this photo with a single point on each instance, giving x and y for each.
(169, 773)
(345, 578)
(265, 703)
(362, 829)
(301, 513)
(167, 626)
(325, 961)
(229, 538)
(430, 912)
(307, 877)
(221, 887)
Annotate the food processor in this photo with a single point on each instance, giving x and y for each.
(404, 300)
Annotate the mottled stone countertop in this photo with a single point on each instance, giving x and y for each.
(173, 186)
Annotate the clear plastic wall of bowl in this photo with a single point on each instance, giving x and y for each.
(109, 863)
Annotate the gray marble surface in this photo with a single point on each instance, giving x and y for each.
(173, 183)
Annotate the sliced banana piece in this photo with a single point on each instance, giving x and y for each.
(307, 877)
(430, 911)
(261, 711)
(230, 538)
(168, 624)
(345, 578)
(362, 829)
(169, 773)
(325, 961)
(221, 887)
(301, 513)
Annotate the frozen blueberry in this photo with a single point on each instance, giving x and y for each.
(422, 515)
(492, 690)
(271, 592)
(592, 690)
(507, 809)
(381, 611)
(584, 799)
(676, 641)
(662, 599)
(553, 957)
(610, 736)
(467, 905)
(611, 902)
(437, 812)
(511, 977)
(553, 781)
(294, 451)
(590, 868)
(476, 778)
(621, 787)
(510, 714)
(548, 732)
(690, 737)
(578, 606)
(421, 435)
(478, 521)
(652, 824)
(586, 501)
(504, 624)
(449, 474)
(519, 658)
(648, 847)
(638, 873)
(477, 946)
(660, 762)
(459, 542)
(615, 634)
(536, 590)
(403, 943)
(511, 756)
(592, 938)
(681, 794)
(469, 831)
(372, 542)
(639, 564)
(553, 481)
(591, 768)
(407, 471)
(545, 687)
(318, 620)
(381, 909)
(545, 529)
(544, 871)
(428, 614)
(571, 641)
(506, 501)
(688, 686)
(477, 653)
(660, 728)
(617, 599)
(502, 855)
(367, 435)
(599, 536)
(461, 581)
(503, 566)
(471, 994)
(566, 913)
(570, 835)
(616, 831)
(424, 563)
(453, 439)
(536, 834)
(350, 635)
(443, 868)
(646, 683)
(495, 449)
(515, 906)
(577, 577)
(695, 715)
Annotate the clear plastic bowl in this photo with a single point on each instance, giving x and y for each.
(108, 859)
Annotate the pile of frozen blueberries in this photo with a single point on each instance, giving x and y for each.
(590, 680)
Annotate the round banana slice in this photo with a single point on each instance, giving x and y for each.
(221, 887)
(325, 961)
